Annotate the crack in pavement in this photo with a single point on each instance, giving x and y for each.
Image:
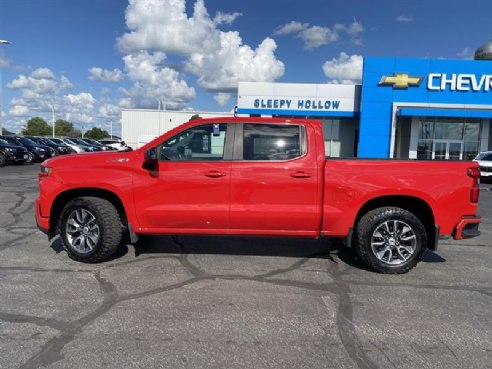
(13, 242)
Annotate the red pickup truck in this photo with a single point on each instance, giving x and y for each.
(256, 177)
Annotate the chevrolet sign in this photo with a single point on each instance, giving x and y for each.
(400, 80)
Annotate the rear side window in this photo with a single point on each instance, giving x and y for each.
(273, 142)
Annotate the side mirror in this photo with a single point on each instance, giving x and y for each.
(150, 159)
(151, 154)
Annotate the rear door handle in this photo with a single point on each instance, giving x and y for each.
(215, 174)
(300, 174)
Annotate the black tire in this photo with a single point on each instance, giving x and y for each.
(90, 229)
(390, 240)
(30, 157)
(3, 159)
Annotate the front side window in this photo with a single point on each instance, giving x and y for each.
(200, 143)
(272, 142)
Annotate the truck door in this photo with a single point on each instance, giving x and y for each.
(190, 188)
(275, 181)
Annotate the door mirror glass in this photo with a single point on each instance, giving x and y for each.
(150, 159)
(151, 154)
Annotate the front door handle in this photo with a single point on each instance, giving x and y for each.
(300, 174)
(215, 174)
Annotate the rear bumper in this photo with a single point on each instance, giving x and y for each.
(467, 227)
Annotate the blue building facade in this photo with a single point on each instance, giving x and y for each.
(424, 108)
(405, 108)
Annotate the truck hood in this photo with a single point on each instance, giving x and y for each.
(92, 159)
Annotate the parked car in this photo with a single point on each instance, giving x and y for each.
(12, 153)
(36, 152)
(484, 160)
(81, 142)
(118, 145)
(98, 144)
(64, 141)
(61, 149)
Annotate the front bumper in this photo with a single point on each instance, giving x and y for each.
(467, 227)
(43, 223)
(16, 156)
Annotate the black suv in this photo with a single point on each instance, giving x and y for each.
(12, 153)
(61, 149)
(36, 152)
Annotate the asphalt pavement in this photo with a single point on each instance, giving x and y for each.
(225, 302)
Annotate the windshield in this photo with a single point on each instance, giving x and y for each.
(26, 141)
(56, 140)
(79, 141)
(3, 142)
(11, 140)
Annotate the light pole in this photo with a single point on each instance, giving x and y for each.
(2, 42)
(53, 118)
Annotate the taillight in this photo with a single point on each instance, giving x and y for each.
(474, 173)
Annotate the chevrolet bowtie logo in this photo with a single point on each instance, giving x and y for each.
(400, 80)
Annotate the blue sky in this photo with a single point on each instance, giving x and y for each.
(90, 58)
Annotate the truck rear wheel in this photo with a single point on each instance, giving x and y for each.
(390, 240)
(90, 229)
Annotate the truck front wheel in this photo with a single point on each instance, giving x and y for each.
(90, 229)
(390, 240)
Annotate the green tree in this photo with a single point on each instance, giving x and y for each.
(96, 133)
(65, 128)
(5, 131)
(37, 127)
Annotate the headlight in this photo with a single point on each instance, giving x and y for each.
(9, 149)
(45, 171)
(39, 149)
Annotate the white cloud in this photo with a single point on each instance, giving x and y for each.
(153, 81)
(42, 89)
(292, 27)
(226, 18)
(233, 62)
(99, 74)
(84, 98)
(217, 59)
(222, 98)
(404, 18)
(316, 36)
(109, 111)
(43, 73)
(344, 70)
(40, 83)
(4, 63)
(19, 111)
(466, 53)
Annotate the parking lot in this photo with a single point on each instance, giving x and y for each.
(223, 302)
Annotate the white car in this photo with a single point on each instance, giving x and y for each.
(484, 160)
(119, 145)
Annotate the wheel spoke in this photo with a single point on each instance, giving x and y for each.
(82, 231)
(393, 242)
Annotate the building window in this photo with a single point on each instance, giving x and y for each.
(448, 138)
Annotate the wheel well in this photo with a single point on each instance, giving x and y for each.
(415, 205)
(67, 196)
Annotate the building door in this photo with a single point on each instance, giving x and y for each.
(447, 150)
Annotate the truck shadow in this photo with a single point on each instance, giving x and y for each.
(259, 246)
(248, 246)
